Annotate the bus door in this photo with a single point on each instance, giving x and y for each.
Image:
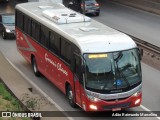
(77, 79)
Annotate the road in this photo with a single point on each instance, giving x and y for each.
(151, 86)
(143, 25)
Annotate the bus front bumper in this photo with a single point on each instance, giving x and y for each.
(112, 105)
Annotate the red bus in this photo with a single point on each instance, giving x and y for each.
(98, 68)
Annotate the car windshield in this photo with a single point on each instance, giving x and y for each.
(110, 71)
(9, 20)
(90, 1)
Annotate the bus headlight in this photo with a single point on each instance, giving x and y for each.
(137, 93)
(7, 30)
(93, 107)
(137, 101)
(93, 98)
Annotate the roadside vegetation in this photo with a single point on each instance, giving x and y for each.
(9, 103)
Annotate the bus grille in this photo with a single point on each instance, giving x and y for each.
(123, 105)
(116, 99)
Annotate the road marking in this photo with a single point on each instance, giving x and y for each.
(39, 90)
(146, 109)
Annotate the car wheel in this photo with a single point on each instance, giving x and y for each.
(3, 35)
(97, 14)
(34, 67)
(70, 96)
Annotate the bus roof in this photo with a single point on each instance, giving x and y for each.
(89, 35)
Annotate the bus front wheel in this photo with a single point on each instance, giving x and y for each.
(34, 67)
(70, 96)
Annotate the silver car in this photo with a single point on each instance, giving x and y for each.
(90, 6)
(84, 6)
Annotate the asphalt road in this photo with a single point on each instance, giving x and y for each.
(143, 25)
(151, 77)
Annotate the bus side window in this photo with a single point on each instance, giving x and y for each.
(44, 36)
(35, 30)
(19, 20)
(77, 68)
(66, 50)
(54, 43)
(27, 25)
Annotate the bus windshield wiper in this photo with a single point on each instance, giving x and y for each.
(122, 75)
(119, 56)
(111, 72)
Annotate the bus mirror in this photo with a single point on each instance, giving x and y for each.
(140, 53)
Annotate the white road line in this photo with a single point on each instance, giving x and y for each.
(41, 92)
(146, 109)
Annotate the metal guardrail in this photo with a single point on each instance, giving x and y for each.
(155, 50)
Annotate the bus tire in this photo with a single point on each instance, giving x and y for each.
(34, 67)
(70, 96)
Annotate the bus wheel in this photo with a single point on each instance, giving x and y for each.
(34, 67)
(70, 96)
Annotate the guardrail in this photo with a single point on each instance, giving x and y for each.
(154, 50)
(150, 48)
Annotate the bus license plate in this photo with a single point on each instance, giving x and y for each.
(116, 109)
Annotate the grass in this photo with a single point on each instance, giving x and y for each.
(9, 103)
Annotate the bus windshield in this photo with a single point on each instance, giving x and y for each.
(112, 71)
